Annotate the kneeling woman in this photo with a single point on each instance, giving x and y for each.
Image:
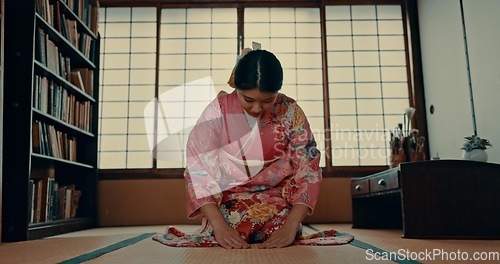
(252, 163)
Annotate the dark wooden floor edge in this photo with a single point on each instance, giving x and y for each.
(99, 252)
(377, 251)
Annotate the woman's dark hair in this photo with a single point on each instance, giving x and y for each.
(259, 68)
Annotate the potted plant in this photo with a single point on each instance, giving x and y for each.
(474, 148)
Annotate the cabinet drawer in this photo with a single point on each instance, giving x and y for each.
(360, 187)
(384, 182)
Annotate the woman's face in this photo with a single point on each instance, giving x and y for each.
(255, 102)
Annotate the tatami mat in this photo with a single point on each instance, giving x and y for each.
(447, 251)
(145, 250)
(55, 250)
(149, 251)
(125, 230)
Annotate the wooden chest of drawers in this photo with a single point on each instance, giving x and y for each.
(381, 182)
(376, 200)
(431, 199)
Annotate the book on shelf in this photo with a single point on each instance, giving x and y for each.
(62, 202)
(60, 15)
(37, 200)
(40, 43)
(49, 200)
(87, 79)
(69, 198)
(75, 202)
(48, 141)
(53, 99)
(67, 202)
(31, 200)
(64, 26)
(76, 80)
(44, 178)
(35, 135)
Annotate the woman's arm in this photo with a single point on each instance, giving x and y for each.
(304, 156)
(297, 214)
(303, 189)
(226, 236)
(285, 235)
(202, 160)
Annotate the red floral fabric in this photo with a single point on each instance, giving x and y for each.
(254, 174)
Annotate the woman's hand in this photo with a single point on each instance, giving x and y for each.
(285, 235)
(226, 236)
(229, 238)
(280, 238)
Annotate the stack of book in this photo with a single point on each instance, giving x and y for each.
(49, 200)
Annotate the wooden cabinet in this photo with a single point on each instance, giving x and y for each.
(431, 199)
(379, 182)
(360, 187)
(385, 182)
(376, 200)
(50, 117)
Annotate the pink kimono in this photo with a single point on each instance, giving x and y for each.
(255, 174)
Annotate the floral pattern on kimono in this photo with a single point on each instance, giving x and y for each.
(255, 175)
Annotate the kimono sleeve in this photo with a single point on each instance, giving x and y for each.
(304, 185)
(202, 170)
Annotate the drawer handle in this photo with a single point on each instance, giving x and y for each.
(358, 187)
(381, 182)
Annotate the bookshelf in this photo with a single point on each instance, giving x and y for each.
(50, 118)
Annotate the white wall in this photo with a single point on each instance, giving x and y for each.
(445, 74)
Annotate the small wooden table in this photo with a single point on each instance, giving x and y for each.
(431, 199)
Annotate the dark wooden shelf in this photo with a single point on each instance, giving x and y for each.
(64, 45)
(70, 87)
(20, 164)
(50, 160)
(59, 123)
(56, 227)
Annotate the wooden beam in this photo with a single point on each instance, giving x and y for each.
(417, 99)
(246, 3)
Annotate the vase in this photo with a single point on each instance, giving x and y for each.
(476, 155)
